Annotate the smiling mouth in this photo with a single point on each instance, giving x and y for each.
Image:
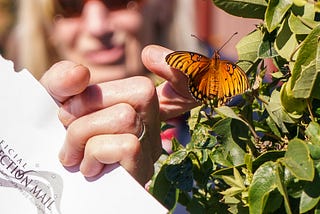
(106, 55)
(111, 51)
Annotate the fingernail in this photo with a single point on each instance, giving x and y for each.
(156, 56)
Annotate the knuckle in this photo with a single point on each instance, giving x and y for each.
(127, 114)
(91, 149)
(73, 133)
(133, 147)
(146, 92)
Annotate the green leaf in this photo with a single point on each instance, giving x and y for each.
(232, 191)
(177, 157)
(247, 49)
(202, 137)
(307, 85)
(229, 146)
(176, 145)
(243, 8)
(309, 13)
(295, 107)
(307, 202)
(300, 2)
(265, 157)
(282, 188)
(180, 175)
(311, 194)
(248, 162)
(273, 127)
(198, 204)
(263, 183)
(194, 117)
(277, 113)
(293, 185)
(307, 53)
(313, 133)
(277, 75)
(227, 112)
(286, 41)
(318, 58)
(317, 6)
(235, 181)
(217, 156)
(266, 48)
(275, 12)
(297, 159)
(230, 199)
(314, 151)
(297, 26)
(309, 22)
(317, 209)
(274, 202)
(266, 185)
(163, 190)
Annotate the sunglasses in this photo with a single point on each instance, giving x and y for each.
(73, 8)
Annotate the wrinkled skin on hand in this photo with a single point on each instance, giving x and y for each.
(104, 121)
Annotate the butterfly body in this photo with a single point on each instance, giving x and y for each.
(211, 81)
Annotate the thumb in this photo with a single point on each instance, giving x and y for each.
(65, 79)
(174, 95)
(153, 57)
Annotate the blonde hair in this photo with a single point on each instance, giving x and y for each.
(30, 46)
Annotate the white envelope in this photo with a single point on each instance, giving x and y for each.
(32, 180)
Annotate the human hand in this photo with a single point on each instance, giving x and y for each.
(174, 96)
(104, 121)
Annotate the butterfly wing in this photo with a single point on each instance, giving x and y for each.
(188, 62)
(211, 81)
(233, 81)
(197, 67)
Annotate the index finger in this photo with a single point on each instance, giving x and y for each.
(65, 79)
(139, 92)
(153, 57)
(174, 95)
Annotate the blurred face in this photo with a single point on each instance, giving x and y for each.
(7, 11)
(100, 34)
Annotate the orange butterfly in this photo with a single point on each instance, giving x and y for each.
(211, 81)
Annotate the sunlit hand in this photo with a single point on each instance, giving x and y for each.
(174, 96)
(104, 121)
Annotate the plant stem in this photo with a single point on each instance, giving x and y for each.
(310, 110)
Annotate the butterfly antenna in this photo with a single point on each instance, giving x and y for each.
(227, 41)
(206, 45)
(198, 38)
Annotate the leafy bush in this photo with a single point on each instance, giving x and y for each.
(262, 156)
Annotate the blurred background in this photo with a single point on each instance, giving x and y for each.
(108, 36)
(167, 22)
